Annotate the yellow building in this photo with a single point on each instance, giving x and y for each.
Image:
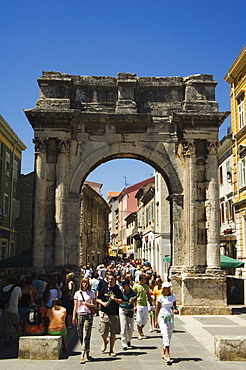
(236, 77)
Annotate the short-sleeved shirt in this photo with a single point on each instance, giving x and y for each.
(38, 284)
(104, 294)
(166, 304)
(142, 292)
(126, 298)
(88, 297)
(157, 292)
(14, 298)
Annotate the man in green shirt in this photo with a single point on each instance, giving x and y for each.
(143, 295)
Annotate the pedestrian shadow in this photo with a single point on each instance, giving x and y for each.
(186, 359)
(179, 331)
(132, 353)
(66, 354)
(103, 359)
(146, 347)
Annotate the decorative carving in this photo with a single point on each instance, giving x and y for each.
(188, 148)
(212, 147)
(40, 145)
(63, 146)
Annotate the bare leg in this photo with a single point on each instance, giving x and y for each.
(105, 342)
(112, 341)
(140, 331)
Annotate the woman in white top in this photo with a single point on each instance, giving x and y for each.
(164, 315)
(84, 301)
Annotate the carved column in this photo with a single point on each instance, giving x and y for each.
(190, 198)
(40, 202)
(212, 210)
(63, 147)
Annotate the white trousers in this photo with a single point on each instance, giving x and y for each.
(142, 315)
(126, 327)
(166, 332)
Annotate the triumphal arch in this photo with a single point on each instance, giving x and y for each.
(170, 123)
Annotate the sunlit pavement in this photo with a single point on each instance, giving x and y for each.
(192, 347)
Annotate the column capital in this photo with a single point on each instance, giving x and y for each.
(212, 147)
(63, 146)
(40, 145)
(188, 147)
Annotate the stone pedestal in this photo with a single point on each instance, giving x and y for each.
(230, 348)
(200, 294)
(40, 347)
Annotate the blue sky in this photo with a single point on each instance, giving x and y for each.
(86, 37)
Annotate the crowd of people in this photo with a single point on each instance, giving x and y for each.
(119, 292)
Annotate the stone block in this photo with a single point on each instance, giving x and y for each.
(230, 348)
(40, 347)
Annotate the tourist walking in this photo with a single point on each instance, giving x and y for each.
(110, 297)
(10, 314)
(27, 299)
(165, 318)
(84, 303)
(57, 325)
(69, 301)
(142, 291)
(126, 311)
(52, 294)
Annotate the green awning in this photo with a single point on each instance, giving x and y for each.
(23, 259)
(225, 261)
(228, 262)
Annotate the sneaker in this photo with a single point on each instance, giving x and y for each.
(112, 354)
(124, 348)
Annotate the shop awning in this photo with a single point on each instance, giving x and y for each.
(23, 259)
(225, 261)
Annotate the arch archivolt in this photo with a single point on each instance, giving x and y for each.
(155, 155)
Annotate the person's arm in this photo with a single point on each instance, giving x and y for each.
(158, 306)
(75, 309)
(175, 309)
(117, 300)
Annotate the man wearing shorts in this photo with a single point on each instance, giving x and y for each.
(142, 294)
(109, 297)
(11, 313)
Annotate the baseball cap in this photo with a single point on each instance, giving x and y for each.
(166, 284)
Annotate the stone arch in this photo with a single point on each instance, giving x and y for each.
(170, 123)
(155, 157)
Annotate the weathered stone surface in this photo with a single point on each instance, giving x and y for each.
(40, 347)
(230, 348)
(172, 124)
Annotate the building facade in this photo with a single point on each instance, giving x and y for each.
(93, 248)
(236, 77)
(11, 148)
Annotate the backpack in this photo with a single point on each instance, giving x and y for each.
(5, 296)
(33, 316)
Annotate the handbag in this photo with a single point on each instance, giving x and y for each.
(92, 309)
(130, 313)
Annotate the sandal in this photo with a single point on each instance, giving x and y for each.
(82, 360)
(104, 346)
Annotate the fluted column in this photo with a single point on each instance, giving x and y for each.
(63, 147)
(40, 203)
(190, 198)
(212, 210)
